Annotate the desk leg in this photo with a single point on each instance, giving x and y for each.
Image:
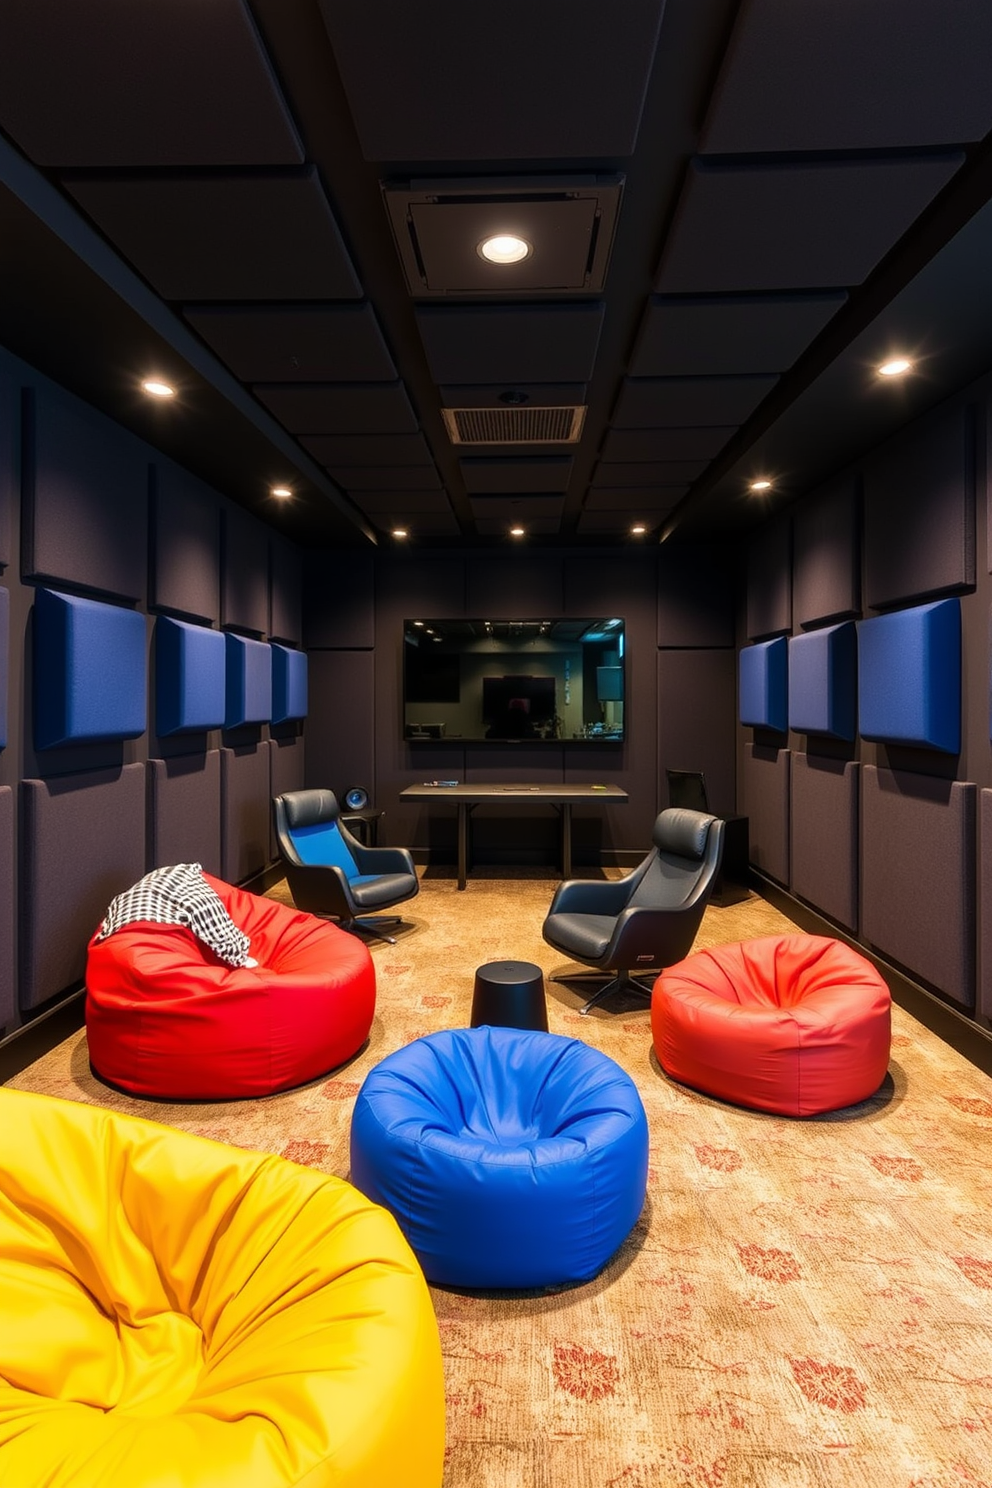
(566, 839)
(462, 842)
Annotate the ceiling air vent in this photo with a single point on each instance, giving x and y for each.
(561, 425)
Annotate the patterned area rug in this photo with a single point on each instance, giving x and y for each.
(801, 1303)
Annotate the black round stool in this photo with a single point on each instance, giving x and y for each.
(510, 994)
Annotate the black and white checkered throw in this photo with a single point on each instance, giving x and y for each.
(180, 895)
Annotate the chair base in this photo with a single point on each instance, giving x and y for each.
(371, 925)
(619, 982)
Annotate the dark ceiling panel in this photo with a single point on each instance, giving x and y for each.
(615, 523)
(698, 443)
(645, 403)
(483, 476)
(536, 526)
(521, 81)
(807, 226)
(511, 343)
(517, 508)
(358, 478)
(380, 449)
(533, 394)
(732, 334)
(847, 75)
(654, 499)
(341, 408)
(163, 83)
(392, 500)
(275, 343)
(264, 237)
(418, 524)
(656, 473)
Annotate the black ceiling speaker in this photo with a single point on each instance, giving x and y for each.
(356, 798)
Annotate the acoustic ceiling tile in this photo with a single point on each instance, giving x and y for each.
(352, 450)
(662, 402)
(811, 225)
(517, 508)
(396, 501)
(654, 499)
(360, 478)
(488, 477)
(106, 84)
(510, 344)
(276, 343)
(225, 237)
(439, 91)
(706, 335)
(698, 443)
(852, 76)
(341, 408)
(501, 394)
(619, 473)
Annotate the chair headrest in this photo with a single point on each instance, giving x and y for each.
(679, 830)
(308, 808)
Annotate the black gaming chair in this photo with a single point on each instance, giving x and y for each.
(647, 920)
(330, 872)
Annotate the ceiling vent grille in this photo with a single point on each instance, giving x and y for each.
(561, 425)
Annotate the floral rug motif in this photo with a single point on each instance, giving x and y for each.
(802, 1304)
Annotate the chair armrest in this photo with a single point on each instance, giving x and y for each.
(590, 896)
(379, 860)
(320, 888)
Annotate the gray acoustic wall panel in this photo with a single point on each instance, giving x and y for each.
(769, 580)
(296, 343)
(9, 418)
(8, 972)
(82, 842)
(511, 343)
(286, 591)
(528, 589)
(286, 765)
(340, 732)
(185, 544)
(920, 511)
(244, 572)
(808, 77)
(647, 402)
(339, 601)
(698, 336)
(184, 811)
(985, 904)
(439, 91)
(85, 485)
(245, 805)
(766, 804)
(252, 237)
(697, 719)
(133, 86)
(826, 571)
(824, 836)
(696, 594)
(918, 876)
(793, 226)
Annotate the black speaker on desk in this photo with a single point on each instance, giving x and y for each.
(359, 817)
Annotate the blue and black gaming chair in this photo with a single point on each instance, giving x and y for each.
(330, 872)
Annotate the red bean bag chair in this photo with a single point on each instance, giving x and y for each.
(166, 1017)
(795, 1024)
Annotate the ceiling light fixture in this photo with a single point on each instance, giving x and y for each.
(516, 532)
(282, 493)
(156, 388)
(762, 484)
(402, 532)
(638, 530)
(896, 367)
(504, 248)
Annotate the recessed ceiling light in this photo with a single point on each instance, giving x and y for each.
(762, 484)
(156, 388)
(504, 248)
(638, 530)
(400, 532)
(283, 493)
(516, 532)
(896, 367)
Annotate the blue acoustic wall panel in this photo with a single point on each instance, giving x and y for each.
(822, 681)
(89, 670)
(289, 683)
(4, 662)
(190, 677)
(764, 674)
(909, 676)
(249, 681)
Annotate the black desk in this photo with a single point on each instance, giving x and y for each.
(562, 797)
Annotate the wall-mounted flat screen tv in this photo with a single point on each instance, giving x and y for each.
(545, 681)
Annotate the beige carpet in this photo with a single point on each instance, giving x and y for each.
(801, 1303)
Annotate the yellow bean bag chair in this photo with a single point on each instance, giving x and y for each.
(175, 1313)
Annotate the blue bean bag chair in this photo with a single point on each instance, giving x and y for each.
(509, 1158)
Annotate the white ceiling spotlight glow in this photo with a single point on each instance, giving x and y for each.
(505, 248)
(763, 484)
(895, 367)
(282, 493)
(156, 388)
